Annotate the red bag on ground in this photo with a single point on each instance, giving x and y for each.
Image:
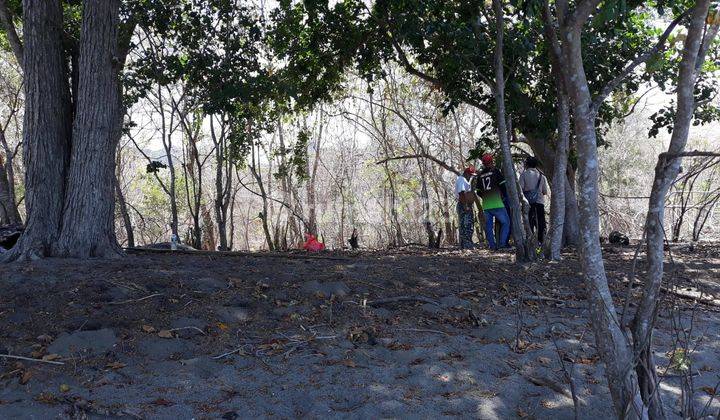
(312, 244)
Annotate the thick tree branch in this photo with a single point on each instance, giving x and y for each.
(694, 153)
(6, 20)
(580, 15)
(710, 34)
(642, 58)
(424, 155)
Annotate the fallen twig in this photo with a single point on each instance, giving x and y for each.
(396, 299)
(545, 381)
(122, 302)
(699, 296)
(542, 298)
(231, 352)
(188, 328)
(30, 359)
(424, 330)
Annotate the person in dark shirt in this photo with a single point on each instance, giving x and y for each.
(491, 188)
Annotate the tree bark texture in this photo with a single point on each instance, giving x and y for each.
(553, 246)
(89, 211)
(613, 347)
(8, 209)
(46, 133)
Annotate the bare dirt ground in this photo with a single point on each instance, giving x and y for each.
(410, 333)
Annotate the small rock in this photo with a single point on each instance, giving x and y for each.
(156, 348)
(498, 332)
(202, 367)
(86, 342)
(18, 317)
(44, 338)
(232, 314)
(382, 313)
(336, 288)
(82, 323)
(208, 285)
(432, 310)
(454, 302)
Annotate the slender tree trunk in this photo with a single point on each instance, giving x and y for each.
(553, 245)
(46, 132)
(612, 345)
(89, 211)
(120, 196)
(523, 247)
(571, 228)
(8, 209)
(223, 184)
(6, 22)
(426, 204)
(263, 194)
(667, 169)
(127, 221)
(311, 185)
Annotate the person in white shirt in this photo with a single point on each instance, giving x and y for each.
(535, 188)
(465, 199)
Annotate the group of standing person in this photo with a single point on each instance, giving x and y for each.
(489, 185)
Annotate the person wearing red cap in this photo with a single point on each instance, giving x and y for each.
(465, 199)
(491, 188)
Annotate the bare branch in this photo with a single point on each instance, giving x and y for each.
(694, 153)
(6, 22)
(425, 156)
(642, 58)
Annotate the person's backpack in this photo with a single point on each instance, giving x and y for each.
(533, 196)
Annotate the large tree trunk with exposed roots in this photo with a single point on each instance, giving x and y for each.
(46, 132)
(88, 217)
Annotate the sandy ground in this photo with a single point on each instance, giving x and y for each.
(184, 336)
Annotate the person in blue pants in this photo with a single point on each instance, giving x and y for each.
(491, 188)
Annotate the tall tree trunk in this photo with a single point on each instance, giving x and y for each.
(263, 195)
(523, 246)
(122, 204)
(8, 209)
(425, 196)
(127, 222)
(46, 132)
(223, 183)
(611, 343)
(553, 245)
(6, 22)
(89, 211)
(558, 204)
(312, 224)
(667, 169)
(571, 228)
